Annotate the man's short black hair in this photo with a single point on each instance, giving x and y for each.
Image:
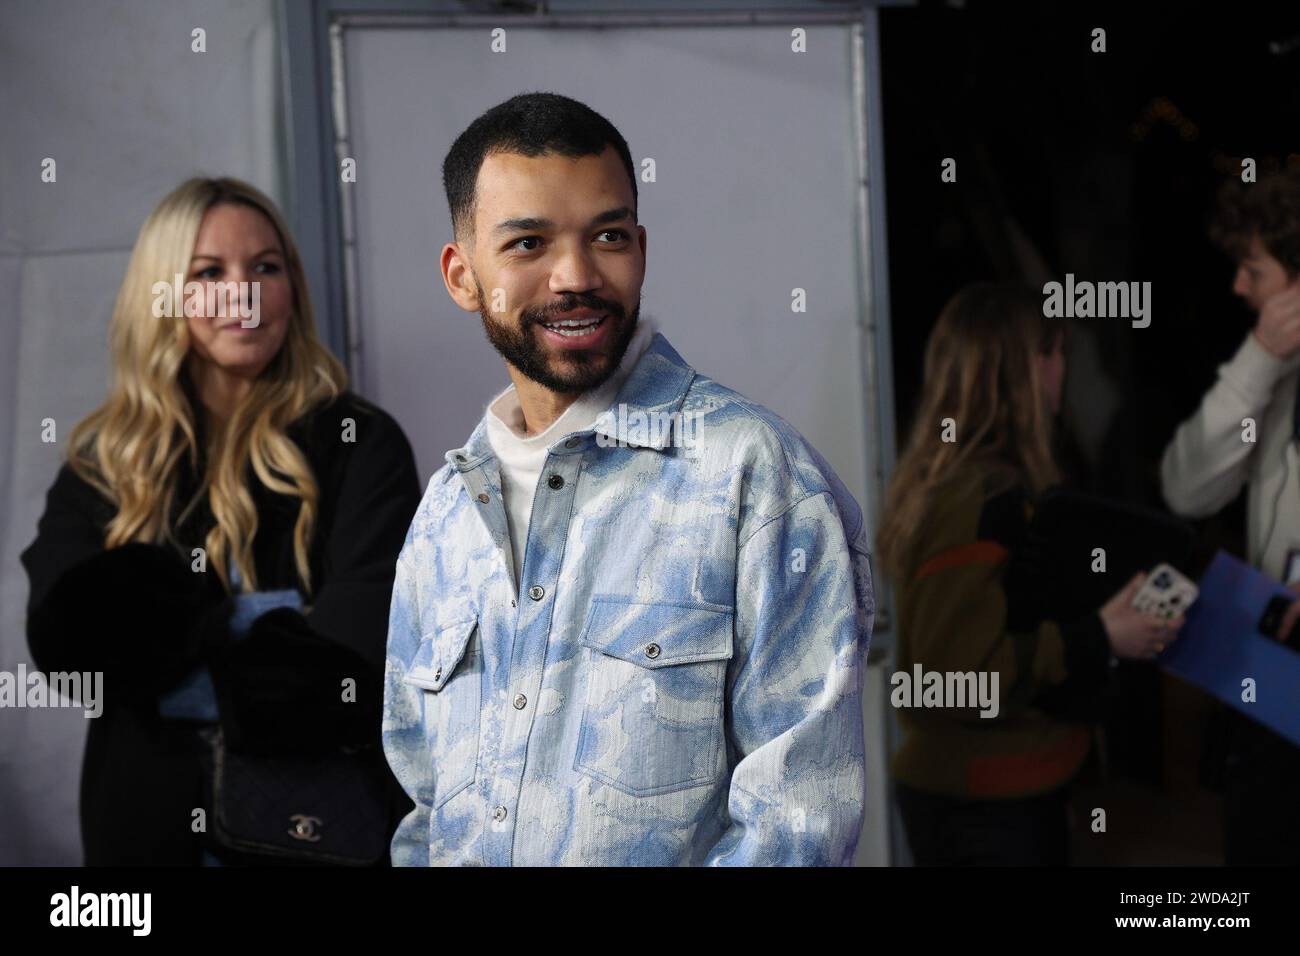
(531, 124)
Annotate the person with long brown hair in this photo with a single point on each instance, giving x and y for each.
(987, 786)
(220, 545)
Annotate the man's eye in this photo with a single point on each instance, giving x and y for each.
(618, 233)
(515, 244)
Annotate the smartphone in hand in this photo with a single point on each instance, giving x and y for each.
(1166, 593)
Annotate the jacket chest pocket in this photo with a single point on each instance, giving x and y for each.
(656, 672)
(449, 667)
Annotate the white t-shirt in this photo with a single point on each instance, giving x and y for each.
(521, 456)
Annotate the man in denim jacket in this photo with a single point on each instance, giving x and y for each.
(631, 615)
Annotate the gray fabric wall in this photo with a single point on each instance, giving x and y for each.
(113, 93)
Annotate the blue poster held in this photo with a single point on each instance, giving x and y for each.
(1222, 645)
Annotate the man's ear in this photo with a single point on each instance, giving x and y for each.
(457, 277)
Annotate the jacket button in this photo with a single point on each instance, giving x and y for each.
(571, 443)
(652, 650)
(483, 498)
(520, 701)
(555, 481)
(437, 674)
(499, 814)
(536, 592)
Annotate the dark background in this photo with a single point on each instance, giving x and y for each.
(1105, 165)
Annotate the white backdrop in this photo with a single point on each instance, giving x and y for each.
(113, 93)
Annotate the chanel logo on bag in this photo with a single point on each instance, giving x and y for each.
(304, 828)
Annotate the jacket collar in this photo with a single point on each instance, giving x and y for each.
(654, 391)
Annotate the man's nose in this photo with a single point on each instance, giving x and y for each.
(1241, 284)
(575, 271)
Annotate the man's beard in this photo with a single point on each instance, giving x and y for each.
(582, 369)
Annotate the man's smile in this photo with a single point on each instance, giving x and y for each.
(582, 330)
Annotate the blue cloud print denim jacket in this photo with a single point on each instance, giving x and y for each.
(677, 679)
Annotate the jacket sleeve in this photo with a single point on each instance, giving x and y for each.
(405, 746)
(804, 610)
(282, 685)
(1205, 465)
(986, 607)
(1081, 697)
(134, 613)
(1035, 592)
(379, 496)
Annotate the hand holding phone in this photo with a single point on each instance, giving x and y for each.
(1142, 618)
(1165, 594)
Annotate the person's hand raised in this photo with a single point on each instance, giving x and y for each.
(1278, 326)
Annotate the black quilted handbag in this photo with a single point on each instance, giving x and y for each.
(328, 809)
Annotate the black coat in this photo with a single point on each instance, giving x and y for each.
(143, 618)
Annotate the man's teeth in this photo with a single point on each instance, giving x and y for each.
(574, 327)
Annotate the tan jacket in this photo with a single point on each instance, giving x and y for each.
(952, 614)
(1211, 455)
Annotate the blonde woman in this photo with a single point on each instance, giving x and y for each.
(220, 544)
(977, 790)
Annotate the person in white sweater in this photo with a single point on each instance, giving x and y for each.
(1247, 431)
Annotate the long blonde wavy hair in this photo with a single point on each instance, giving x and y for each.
(130, 447)
(980, 371)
